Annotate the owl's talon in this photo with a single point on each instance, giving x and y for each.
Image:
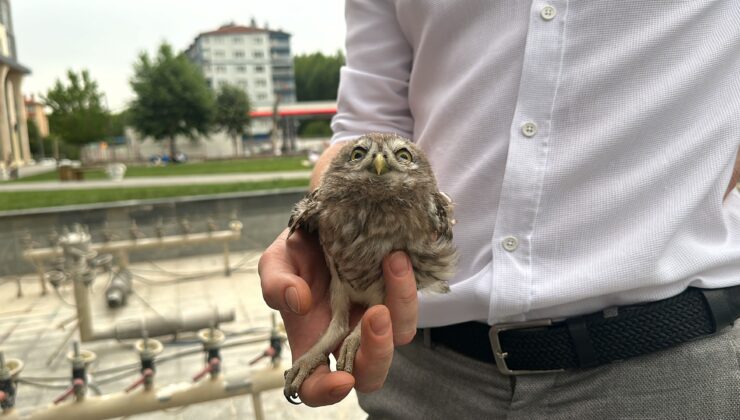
(347, 352)
(293, 399)
(300, 370)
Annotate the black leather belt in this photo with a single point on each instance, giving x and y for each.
(595, 339)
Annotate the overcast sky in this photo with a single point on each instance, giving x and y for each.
(106, 36)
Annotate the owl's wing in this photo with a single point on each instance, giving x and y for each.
(441, 214)
(305, 213)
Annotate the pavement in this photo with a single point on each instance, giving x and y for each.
(162, 181)
(30, 330)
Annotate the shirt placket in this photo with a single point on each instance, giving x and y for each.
(529, 143)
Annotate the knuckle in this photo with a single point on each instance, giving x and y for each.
(406, 297)
(404, 337)
(382, 353)
(370, 387)
(296, 242)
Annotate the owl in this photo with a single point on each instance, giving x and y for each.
(378, 195)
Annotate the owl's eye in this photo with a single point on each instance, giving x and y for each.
(403, 154)
(358, 153)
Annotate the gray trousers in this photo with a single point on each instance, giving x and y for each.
(696, 380)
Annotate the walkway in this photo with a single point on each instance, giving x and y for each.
(162, 181)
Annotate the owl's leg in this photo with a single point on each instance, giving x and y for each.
(374, 295)
(319, 353)
(347, 352)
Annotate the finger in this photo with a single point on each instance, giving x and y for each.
(323, 387)
(400, 288)
(282, 288)
(374, 357)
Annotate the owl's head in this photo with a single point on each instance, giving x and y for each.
(382, 160)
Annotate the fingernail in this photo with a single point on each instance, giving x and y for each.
(398, 264)
(380, 324)
(340, 391)
(291, 298)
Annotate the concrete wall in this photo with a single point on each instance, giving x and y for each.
(263, 214)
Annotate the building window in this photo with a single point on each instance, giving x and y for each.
(205, 40)
(259, 69)
(239, 54)
(258, 54)
(222, 83)
(237, 39)
(261, 82)
(219, 53)
(241, 69)
(242, 83)
(257, 39)
(218, 40)
(220, 69)
(261, 96)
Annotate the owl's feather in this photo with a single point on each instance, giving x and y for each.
(377, 196)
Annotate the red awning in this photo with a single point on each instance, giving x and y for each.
(295, 112)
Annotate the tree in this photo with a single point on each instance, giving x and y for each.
(172, 98)
(232, 113)
(317, 79)
(118, 123)
(35, 141)
(77, 114)
(317, 76)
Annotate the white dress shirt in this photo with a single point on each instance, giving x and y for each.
(587, 143)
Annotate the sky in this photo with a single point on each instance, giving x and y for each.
(106, 36)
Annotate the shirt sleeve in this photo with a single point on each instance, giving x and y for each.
(373, 85)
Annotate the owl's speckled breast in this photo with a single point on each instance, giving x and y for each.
(364, 231)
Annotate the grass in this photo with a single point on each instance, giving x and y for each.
(273, 164)
(18, 200)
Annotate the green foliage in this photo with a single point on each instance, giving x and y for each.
(54, 145)
(172, 97)
(77, 114)
(118, 123)
(232, 112)
(315, 128)
(34, 140)
(317, 76)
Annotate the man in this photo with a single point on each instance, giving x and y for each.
(588, 147)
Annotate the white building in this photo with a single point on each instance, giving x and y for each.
(14, 147)
(255, 59)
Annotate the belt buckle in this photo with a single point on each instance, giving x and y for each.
(500, 355)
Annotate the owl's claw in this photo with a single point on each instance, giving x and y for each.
(293, 399)
(295, 376)
(347, 353)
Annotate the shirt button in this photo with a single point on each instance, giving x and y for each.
(548, 12)
(510, 243)
(529, 129)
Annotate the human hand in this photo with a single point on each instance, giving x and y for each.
(735, 176)
(295, 281)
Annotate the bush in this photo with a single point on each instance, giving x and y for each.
(315, 128)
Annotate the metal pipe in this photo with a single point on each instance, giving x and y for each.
(227, 264)
(123, 404)
(77, 252)
(84, 310)
(159, 325)
(40, 254)
(119, 288)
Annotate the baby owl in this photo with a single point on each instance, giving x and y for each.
(378, 195)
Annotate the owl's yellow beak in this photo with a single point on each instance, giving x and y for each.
(380, 165)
